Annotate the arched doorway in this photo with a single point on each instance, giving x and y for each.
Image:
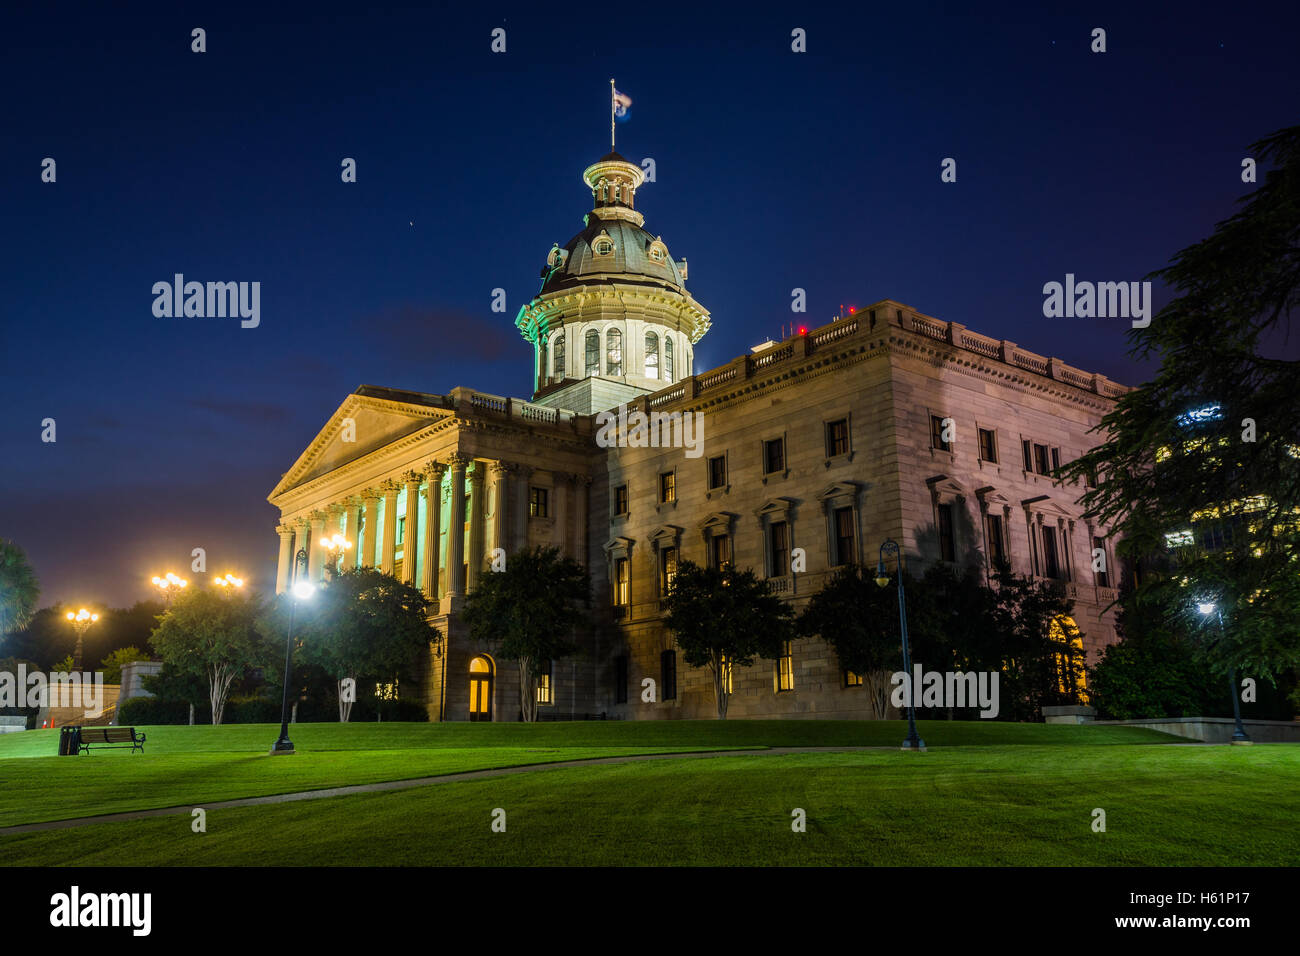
(481, 672)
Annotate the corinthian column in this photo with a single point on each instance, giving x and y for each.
(316, 554)
(286, 555)
(500, 473)
(432, 532)
(389, 546)
(352, 555)
(411, 539)
(366, 542)
(477, 512)
(456, 528)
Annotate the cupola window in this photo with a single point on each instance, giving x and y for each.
(668, 358)
(613, 352)
(658, 252)
(604, 246)
(651, 355)
(557, 354)
(593, 352)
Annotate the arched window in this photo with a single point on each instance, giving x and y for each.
(668, 358)
(557, 352)
(603, 246)
(651, 355)
(593, 352)
(658, 251)
(613, 352)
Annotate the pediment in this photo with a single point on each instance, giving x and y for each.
(1044, 505)
(718, 520)
(775, 506)
(991, 496)
(838, 490)
(947, 485)
(369, 419)
(668, 532)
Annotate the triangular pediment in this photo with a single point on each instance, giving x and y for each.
(369, 419)
(718, 520)
(947, 485)
(1043, 504)
(991, 496)
(775, 506)
(838, 490)
(668, 532)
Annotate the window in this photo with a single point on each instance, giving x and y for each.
(720, 551)
(401, 531)
(852, 679)
(1040, 459)
(613, 352)
(668, 675)
(1056, 459)
(778, 548)
(667, 570)
(620, 500)
(725, 666)
(947, 546)
(988, 445)
(651, 355)
(936, 434)
(773, 456)
(557, 356)
(1051, 565)
(837, 438)
(717, 472)
(620, 582)
(593, 352)
(604, 246)
(545, 692)
(658, 251)
(668, 358)
(996, 542)
(620, 680)
(1026, 450)
(1090, 477)
(844, 550)
(537, 502)
(667, 487)
(785, 668)
(1103, 576)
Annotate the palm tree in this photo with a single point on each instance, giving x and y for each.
(18, 588)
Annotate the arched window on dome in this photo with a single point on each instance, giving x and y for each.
(593, 352)
(668, 358)
(651, 355)
(603, 246)
(557, 353)
(658, 252)
(613, 352)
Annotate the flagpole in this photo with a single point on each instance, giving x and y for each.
(611, 114)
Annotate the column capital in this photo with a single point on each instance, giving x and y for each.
(457, 461)
(434, 470)
(336, 508)
(499, 469)
(318, 517)
(371, 494)
(283, 530)
(413, 477)
(389, 487)
(475, 471)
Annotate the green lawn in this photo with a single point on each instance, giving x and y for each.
(989, 805)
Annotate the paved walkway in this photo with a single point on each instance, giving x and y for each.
(408, 784)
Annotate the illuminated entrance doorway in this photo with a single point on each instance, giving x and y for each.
(480, 688)
(1069, 673)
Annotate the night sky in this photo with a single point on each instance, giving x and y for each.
(775, 170)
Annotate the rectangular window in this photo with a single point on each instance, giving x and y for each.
(620, 500)
(401, 531)
(1026, 449)
(668, 675)
(844, 550)
(726, 668)
(947, 545)
(620, 680)
(936, 434)
(785, 668)
(1040, 460)
(537, 502)
(1056, 459)
(1103, 576)
(620, 582)
(667, 487)
(778, 548)
(1051, 566)
(719, 551)
(773, 456)
(717, 472)
(851, 679)
(837, 438)
(988, 445)
(667, 570)
(1090, 478)
(545, 692)
(996, 543)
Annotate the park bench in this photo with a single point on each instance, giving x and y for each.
(109, 737)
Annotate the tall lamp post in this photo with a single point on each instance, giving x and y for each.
(80, 621)
(170, 585)
(301, 588)
(335, 545)
(913, 742)
(1239, 735)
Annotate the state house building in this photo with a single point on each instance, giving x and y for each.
(830, 442)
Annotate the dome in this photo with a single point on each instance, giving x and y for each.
(633, 256)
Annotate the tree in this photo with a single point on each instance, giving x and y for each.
(112, 664)
(1199, 472)
(723, 619)
(1041, 648)
(367, 624)
(210, 635)
(65, 666)
(527, 613)
(18, 588)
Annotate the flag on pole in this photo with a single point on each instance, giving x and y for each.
(622, 102)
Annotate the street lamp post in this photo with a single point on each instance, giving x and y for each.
(913, 742)
(229, 582)
(1239, 735)
(80, 621)
(299, 589)
(170, 585)
(335, 545)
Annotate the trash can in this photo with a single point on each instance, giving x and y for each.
(69, 741)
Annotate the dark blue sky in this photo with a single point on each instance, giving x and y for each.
(775, 170)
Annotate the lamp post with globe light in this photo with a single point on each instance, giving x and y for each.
(170, 585)
(299, 590)
(80, 621)
(913, 742)
(228, 582)
(336, 545)
(1239, 735)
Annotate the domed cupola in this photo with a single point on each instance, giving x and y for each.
(613, 303)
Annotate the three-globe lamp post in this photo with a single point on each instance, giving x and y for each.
(300, 589)
(81, 620)
(913, 742)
